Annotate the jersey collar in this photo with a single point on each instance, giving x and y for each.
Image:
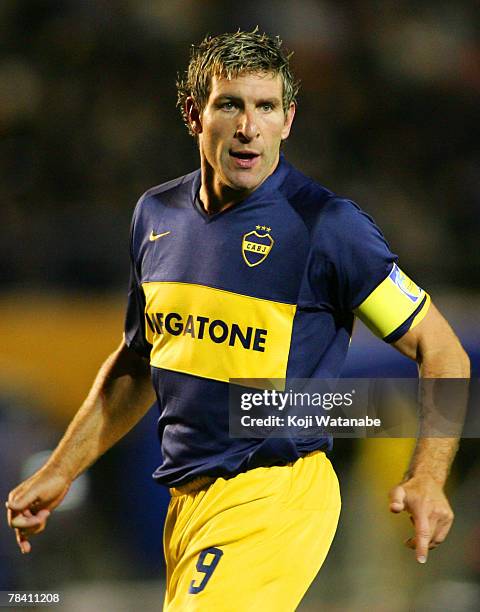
(272, 183)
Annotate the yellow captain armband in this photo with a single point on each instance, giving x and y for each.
(392, 303)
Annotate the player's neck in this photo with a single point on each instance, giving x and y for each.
(213, 202)
(215, 196)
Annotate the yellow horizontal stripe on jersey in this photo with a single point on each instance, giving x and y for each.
(216, 334)
(391, 303)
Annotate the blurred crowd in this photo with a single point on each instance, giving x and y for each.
(390, 93)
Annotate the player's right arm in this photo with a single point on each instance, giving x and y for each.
(120, 395)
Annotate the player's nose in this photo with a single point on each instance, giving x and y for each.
(247, 128)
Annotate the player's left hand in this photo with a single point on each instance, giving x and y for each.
(423, 498)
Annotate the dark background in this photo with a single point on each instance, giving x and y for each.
(387, 115)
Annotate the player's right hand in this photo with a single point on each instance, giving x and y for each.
(29, 505)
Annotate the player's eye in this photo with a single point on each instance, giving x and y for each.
(266, 107)
(227, 106)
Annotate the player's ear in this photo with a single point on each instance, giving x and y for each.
(193, 114)
(289, 115)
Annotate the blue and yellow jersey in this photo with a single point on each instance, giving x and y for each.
(268, 288)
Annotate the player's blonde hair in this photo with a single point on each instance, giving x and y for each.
(229, 55)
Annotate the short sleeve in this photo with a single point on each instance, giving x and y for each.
(367, 279)
(135, 319)
(135, 314)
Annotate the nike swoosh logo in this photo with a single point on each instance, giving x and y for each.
(157, 236)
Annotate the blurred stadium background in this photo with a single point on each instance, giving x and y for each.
(388, 115)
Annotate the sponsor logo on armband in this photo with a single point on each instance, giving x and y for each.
(405, 284)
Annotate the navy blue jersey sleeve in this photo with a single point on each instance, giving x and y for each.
(135, 314)
(353, 252)
(135, 319)
(364, 276)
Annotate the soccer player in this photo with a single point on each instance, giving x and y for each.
(246, 268)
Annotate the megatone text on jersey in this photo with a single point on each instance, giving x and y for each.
(201, 328)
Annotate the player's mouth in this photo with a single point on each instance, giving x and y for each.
(244, 159)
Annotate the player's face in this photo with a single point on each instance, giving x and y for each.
(240, 130)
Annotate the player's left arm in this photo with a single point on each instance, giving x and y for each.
(439, 354)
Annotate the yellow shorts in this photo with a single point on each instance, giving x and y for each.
(252, 542)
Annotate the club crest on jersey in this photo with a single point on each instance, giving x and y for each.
(256, 245)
